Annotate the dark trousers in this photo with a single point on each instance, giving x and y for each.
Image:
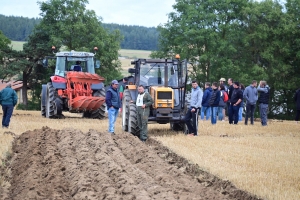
(297, 115)
(250, 111)
(233, 114)
(192, 116)
(7, 112)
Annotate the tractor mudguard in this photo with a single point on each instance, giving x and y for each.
(44, 94)
(97, 86)
(133, 94)
(59, 85)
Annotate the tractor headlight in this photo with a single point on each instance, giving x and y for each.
(159, 105)
(169, 104)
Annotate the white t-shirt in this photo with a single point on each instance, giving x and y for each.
(139, 100)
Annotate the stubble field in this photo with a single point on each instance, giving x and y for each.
(264, 161)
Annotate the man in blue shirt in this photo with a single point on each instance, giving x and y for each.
(8, 100)
(113, 103)
(192, 113)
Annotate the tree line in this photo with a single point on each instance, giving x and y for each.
(241, 39)
(134, 37)
(62, 23)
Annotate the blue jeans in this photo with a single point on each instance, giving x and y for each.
(220, 113)
(233, 113)
(241, 113)
(7, 112)
(263, 109)
(205, 110)
(112, 117)
(214, 111)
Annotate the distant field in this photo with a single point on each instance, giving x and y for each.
(128, 54)
(17, 45)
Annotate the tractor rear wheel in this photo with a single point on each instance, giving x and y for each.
(125, 109)
(53, 103)
(100, 112)
(132, 121)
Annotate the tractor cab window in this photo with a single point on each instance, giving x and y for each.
(154, 74)
(81, 64)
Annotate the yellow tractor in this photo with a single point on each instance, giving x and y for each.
(165, 80)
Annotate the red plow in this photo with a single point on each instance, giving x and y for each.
(80, 93)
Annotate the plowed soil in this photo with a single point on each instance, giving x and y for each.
(70, 164)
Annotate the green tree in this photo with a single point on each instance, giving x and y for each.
(203, 31)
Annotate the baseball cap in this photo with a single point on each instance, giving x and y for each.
(115, 82)
(222, 79)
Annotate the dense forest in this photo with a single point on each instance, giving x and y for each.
(135, 37)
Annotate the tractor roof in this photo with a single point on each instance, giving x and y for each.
(75, 54)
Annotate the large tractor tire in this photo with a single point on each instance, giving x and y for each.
(132, 121)
(125, 109)
(43, 109)
(53, 103)
(100, 112)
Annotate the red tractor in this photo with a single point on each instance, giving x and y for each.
(74, 87)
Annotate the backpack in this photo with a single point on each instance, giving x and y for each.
(225, 96)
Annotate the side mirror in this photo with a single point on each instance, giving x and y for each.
(97, 64)
(45, 62)
(131, 70)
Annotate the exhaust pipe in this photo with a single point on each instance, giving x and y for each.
(166, 74)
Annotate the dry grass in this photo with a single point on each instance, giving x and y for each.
(262, 160)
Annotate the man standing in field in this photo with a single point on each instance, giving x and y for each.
(251, 96)
(8, 100)
(214, 102)
(113, 103)
(263, 101)
(205, 109)
(235, 100)
(192, 113)
(143, 103)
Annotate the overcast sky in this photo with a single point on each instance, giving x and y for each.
(130, 12)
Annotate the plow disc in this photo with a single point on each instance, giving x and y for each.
(82, 103)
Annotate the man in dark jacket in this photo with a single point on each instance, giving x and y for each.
(297, 101)
(235, 100)
(263, 101)
(8, 100)
(205, 109)
(113, 103)
(214, 102)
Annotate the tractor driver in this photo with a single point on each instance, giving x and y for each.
(143, 103)
(77, 67)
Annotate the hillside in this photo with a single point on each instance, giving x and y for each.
(135, 37)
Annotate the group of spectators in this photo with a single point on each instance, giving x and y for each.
(219, 97)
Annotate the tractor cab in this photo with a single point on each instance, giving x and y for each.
(75, 61)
